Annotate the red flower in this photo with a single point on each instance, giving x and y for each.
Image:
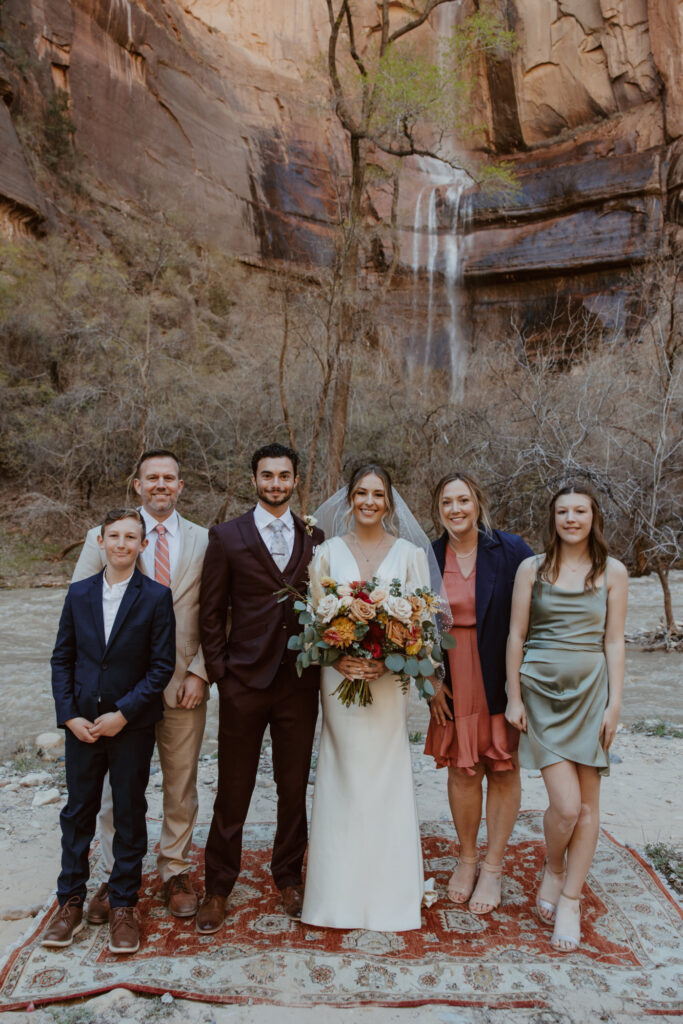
(375, 632)
(374, 648)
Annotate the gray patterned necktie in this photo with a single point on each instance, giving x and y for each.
(278, 545)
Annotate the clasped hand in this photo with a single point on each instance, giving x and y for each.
(109, 724)
(360, 668)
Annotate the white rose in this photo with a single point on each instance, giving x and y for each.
(344, 590)
(346, 601)
(327, 607)
(399, 609)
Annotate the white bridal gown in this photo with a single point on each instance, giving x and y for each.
(364, 855)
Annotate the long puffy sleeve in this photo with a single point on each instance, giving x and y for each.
(417, 569)
(319, 567)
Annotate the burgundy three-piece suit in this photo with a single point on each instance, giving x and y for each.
(258, 686)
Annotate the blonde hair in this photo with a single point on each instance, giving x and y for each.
(483, 514)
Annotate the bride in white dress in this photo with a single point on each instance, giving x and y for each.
(364, 854)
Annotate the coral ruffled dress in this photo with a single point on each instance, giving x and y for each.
(474, 736)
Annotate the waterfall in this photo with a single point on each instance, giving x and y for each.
(438, 221)
(442, 261)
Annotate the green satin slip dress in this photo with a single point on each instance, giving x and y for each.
(564, 677)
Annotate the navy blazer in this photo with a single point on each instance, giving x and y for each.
(498, 558)
(130, 671)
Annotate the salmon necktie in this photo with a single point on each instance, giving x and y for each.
(162, 562)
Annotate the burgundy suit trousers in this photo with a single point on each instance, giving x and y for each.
(291, 711)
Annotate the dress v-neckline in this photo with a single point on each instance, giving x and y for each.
(355, 560)
(454, 562)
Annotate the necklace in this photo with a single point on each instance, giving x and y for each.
(466, 554)
(374, 548)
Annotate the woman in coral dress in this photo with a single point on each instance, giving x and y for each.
(468, 733)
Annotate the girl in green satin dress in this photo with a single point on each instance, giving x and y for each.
(565, 670)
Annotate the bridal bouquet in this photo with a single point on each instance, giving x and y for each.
(368, 620)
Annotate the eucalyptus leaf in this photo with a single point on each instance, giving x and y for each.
(412, 667)
(447, 642)
(426, 667)
(295, 643)
(437, 653)
(428, 688)
(394, 662)
(299, 606)
(305, 618)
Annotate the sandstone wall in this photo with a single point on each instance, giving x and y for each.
(207, 107)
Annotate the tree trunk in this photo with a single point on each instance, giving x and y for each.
(346, 327)
(662, 571)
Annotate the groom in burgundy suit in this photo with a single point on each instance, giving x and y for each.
(247, 560)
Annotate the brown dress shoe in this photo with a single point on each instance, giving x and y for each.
(293, 900)
(211, 914)
(98, 907)
(124, 933)
(67, 922)
(181, 899)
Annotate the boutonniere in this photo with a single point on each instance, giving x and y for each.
(309, 523)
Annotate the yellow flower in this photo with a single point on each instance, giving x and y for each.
(341, 632)
(327, 581)
(414, 648)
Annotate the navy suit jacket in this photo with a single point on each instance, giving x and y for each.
(129, 672)
(498, 558)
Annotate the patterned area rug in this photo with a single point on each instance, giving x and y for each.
(632, 946)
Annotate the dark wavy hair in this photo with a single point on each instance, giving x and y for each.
(389, 518)
(597, 547)
(274, 451)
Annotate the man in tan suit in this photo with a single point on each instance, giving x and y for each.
(174, 556)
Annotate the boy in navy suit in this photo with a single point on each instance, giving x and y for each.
(115, 653)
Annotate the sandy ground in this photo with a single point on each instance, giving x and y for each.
(641, 804)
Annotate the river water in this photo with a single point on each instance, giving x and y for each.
(28, 624)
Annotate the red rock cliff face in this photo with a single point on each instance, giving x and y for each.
(205, 106)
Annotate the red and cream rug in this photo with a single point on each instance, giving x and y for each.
(632, 945)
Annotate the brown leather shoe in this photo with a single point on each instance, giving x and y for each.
(293, 900)
(98, 907)
(180, 897)
(211, 914)
(124, 933)
(67, 922)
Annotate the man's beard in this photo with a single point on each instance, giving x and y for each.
(273, 502)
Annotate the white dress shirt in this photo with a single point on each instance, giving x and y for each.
(112, 595)
(263, 518)
(172, 525)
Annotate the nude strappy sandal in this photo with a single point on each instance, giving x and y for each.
(491, 869)
(571, 942)
(546, 909)
(461, 895)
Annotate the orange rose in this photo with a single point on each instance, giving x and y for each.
(361, 611)
(397, 633)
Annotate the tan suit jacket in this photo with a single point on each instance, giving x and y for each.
(185, 590)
